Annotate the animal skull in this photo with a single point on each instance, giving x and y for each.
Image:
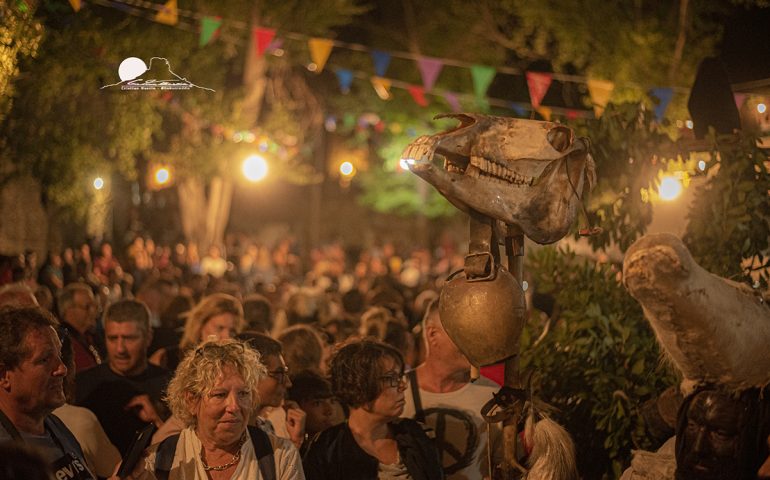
(522, 172)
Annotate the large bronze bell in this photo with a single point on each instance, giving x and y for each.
(484, 317)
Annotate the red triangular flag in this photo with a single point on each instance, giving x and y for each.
(538, 83)
(262, 38)
(418, 94)
(572, 114)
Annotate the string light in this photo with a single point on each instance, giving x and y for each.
(98, 183)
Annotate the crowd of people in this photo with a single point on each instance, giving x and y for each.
(240, 365)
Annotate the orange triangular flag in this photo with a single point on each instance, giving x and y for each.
(382, 87)
(320, 49)
(76, 5)
(168, 14)
(544, 112)
(600, 92)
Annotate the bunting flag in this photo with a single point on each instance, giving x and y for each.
(429, 69)
(600, 92)
(76, 5)
(418, 94)
(544, 112)
(381, 62)
(538, 84)
(520, 110)
(382, 87)
(572, 114)
(453, 101)
(664, 96)
(739, 98)
(345, 79)
(320, 49)
(209, 30)
(262, 38)
(276, 44)
(482, 76)
(168, 14)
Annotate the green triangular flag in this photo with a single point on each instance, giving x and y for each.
(482, 77)
(209, 29)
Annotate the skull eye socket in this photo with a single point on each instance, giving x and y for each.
(560, 138)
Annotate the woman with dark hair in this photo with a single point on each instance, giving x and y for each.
(374, 443)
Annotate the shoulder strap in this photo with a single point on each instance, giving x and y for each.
(164, 457)
(419, 413)
(9, 427)
(264, 451)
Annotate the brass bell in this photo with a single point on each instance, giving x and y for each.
(484, 317)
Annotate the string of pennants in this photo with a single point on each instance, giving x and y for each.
(266, 41)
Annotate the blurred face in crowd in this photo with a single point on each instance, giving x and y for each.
(36, 385)
(126, 347)
(221, 326)
(82, 313)
(272, 388)
(322, 413)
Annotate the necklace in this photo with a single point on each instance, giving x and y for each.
(219, 468)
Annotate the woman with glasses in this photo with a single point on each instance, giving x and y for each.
(214, 393)
(374, 443)
(218, 315)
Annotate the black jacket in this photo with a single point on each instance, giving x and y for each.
(335, 455)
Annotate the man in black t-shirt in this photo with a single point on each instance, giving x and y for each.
(126, 392)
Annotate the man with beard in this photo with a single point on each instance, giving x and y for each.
(126, 392)
(32, 386)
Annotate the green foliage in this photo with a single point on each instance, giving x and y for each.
(598, 363)
(729, 222)
(627, 146)
(20, 37)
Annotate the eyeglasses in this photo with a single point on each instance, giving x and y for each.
(394, 380)
(280, 375)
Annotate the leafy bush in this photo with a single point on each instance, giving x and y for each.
(598, 363)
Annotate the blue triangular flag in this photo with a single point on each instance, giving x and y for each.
(381, 61)
(664, 95)
(345, 78)
(520, 110)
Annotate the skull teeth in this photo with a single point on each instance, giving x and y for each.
(494, 172)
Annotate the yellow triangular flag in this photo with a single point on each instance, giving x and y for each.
(168, 14)
(320, 49)
(600, 92)
(544, 112)
(382, 87)
(76, 5)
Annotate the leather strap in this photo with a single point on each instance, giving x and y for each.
(419, 413)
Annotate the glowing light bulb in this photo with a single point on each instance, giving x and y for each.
(347, 169)
(761, 107)
(702, 165)
(688, 123)
(162, 176)
(98, 183)
(254, 168)
(670, 188)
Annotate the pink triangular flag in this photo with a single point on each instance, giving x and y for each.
(453, 101)
(262, 38)
(418, 94)
(538, 83)
(429, 68)
(740, 99)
